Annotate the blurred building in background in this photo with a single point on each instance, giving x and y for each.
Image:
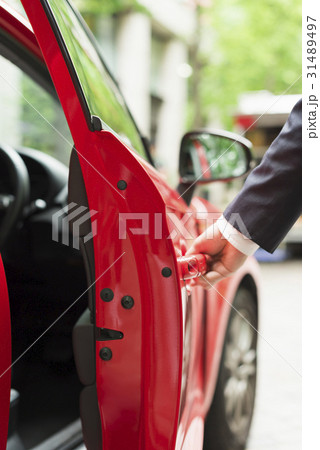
(260, 116)
(148, 55)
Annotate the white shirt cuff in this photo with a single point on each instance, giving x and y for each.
(237, 239)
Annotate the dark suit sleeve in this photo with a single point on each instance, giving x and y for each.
(270, 200)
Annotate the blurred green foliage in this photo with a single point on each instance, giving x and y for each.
(107, 6)
(245, 45)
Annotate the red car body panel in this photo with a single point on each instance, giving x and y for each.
(141, 403)
(211, 331)
(5, 358)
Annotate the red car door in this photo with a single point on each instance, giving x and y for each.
(138, 302)
(5, 358)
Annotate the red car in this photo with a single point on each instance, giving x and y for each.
(104, 316)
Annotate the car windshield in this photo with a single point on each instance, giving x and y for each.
(102, 96)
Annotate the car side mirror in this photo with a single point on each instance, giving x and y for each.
(207, 156)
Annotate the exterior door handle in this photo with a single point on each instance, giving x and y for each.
(193, 266)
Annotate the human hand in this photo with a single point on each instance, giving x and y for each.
(225, 259)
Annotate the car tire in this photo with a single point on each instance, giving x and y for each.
(229, 418)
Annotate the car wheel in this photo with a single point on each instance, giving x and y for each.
(229, 418)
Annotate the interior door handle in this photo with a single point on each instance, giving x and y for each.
(193, 266)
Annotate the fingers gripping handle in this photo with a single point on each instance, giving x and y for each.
(193, 266)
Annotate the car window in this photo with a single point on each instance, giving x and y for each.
(30, 116)
(101, 94)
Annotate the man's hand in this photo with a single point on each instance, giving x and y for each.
(225, 258)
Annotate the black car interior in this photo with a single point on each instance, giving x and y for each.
(44, 278)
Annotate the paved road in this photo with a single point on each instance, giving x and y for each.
(277, 420)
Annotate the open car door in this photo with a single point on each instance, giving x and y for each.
(129, 347)
(5, 358)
